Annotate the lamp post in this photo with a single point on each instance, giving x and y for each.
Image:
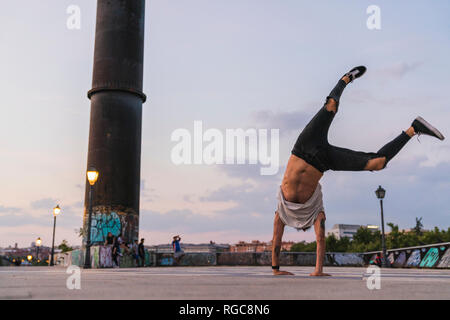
(380, 192)
(56, 211)
(92, 176)
(38, 244)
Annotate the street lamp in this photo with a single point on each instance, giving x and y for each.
(38, 244)
(92, 176)
(380, 192)
(56, 211)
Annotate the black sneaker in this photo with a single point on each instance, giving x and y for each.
(422, 127)
(356, 72)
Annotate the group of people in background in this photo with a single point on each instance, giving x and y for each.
(136, 249)
(119, 247)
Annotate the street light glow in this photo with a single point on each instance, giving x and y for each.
(38, 242)
(92, 176)
(56, 210)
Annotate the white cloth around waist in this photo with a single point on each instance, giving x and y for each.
(300, 215)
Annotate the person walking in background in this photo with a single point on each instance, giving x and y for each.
(141, 253)
(109, 239)
(116, 252)
(133, 248)
(177, 252)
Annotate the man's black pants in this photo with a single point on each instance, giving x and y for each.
(313, 147)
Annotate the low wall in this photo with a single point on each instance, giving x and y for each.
(428, 256)
(431, 256)
(5, 262)
(101, 257)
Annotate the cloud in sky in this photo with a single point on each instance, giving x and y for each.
(45, 203)
(285, 121)
(399, 69)
(4, 209)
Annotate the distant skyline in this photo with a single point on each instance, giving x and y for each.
(242, 64)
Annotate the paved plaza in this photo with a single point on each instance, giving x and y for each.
(221, 283)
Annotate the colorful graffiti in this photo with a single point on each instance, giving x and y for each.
(77, 257)
(401, 259)
(130, 226)
(414, 259)
(430, 258)
(346, 259)
(391, 258)
(114, 219)
(166, 261)
(105, 257)
(445, 260)
(102, 223)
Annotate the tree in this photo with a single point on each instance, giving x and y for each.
(366, 240)
(80, 232)
(64, 246)
(418, 227)
(304, 247)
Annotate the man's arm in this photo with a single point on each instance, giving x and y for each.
(319, 228)
(278, 230)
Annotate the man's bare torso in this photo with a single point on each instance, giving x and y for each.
(300, 180)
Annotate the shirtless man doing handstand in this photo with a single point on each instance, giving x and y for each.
(300, 202)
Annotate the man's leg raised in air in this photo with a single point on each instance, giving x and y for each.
(319, 229)
(278, 230)
(348, 160)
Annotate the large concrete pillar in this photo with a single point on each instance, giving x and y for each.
(116, 118)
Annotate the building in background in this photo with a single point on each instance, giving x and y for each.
(20, 253)
(348, 230)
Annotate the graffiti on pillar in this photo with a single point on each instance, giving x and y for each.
(77, 257)
(115, 219)
(130, 227)
(430, 258)
(105, 257)
(401, 259)
(414, 259)
(102, 223)
(445, 260)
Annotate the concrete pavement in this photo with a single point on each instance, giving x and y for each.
(221, 283)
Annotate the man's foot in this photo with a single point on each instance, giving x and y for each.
(355, 73)
(319, 274)
(282, 273)
(422, 127)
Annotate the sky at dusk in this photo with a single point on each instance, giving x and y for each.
(230, 64)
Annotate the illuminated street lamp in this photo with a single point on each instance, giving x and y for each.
(380, 192)
(29, 257)
(38, 244)
(92, 176)
(56, 211)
